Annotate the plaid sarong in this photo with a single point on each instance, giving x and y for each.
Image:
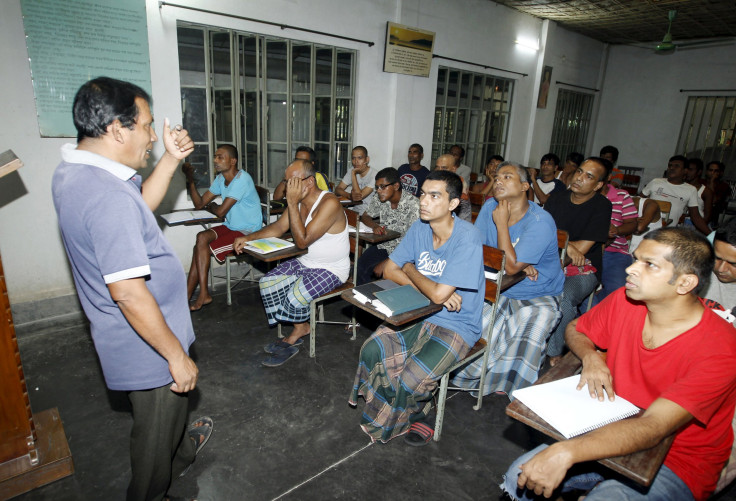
(397, 373)
(518, 344)
(288, 289)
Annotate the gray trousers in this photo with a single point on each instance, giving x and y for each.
(576, 290)
(159, 447)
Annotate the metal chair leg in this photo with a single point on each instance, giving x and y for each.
(228, 262)
(441, 406)
(312, 329)
(483, 374)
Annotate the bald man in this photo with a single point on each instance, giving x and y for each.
(448, 162)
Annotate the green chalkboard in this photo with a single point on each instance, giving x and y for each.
(71, 42)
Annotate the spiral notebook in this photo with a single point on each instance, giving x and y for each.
(573, 412)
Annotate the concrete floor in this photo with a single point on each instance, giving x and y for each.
(284, 433)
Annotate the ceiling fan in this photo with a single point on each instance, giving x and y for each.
(668, 46)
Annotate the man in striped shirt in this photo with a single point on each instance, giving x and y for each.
(616, 257)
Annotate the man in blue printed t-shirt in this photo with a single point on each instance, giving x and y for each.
(442, 256)
(240, 207)
(528, 311)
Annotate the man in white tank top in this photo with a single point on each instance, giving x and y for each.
(317, 222)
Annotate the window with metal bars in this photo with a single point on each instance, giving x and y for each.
(472, 110)
(572, 122)
(708, 130)
(267, 96)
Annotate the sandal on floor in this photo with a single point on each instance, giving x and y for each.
(200, 432)
(420, 433)
(279, 345)
(281, 356)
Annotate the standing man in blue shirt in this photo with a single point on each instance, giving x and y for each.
(441, 256)
(240, 207)
(129, 281)
(528, 311)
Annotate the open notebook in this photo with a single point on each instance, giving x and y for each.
(570, 411)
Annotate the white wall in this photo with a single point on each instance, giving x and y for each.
(471, 30)
(392, 111)
(642, 107)
(576, 60)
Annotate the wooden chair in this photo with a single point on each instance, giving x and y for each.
(562, 239)
(496, 259)
(630, 183)
(316, 308)
(476, 201)
(476, 198)
(264, 197)
(664, 209)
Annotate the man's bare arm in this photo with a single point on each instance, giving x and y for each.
(198, 200)
(698, 220)
(403, 276)
(340, 190)
(501, 219)
(280, 192)
(275, 229)
(595, 371)
(545, 471)
(323, 218)
(143, 313)
(577, 250)
(221, 210)
(436, 292)
(368, 221)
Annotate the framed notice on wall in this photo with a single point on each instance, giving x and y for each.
(408, 50)
(70, 43)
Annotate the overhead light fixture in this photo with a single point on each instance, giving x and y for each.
(528, 43)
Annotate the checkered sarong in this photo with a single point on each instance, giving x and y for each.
(397, 373)
(288, 289)
(518, 344)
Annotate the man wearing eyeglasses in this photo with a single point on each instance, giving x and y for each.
(317, 222)
(396, 210)
(357, 184)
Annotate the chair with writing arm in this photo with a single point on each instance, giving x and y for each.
(495, 259)
(264, 197)
(664, 209)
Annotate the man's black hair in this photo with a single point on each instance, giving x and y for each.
(453, 184)
(575, 158)
(550, 156)
(727, 232)
(691, 253)
(231, 150)
(612, 150)
(494, 157)
(312, 155)
(721, 166)
(101, 101)
(679, 158)
(607, 166)
(418, 146)
(698, 163)
(462, 150)
(390, 174)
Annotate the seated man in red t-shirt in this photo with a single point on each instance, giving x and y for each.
(666, 353)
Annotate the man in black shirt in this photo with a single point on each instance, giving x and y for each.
(585, 214)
